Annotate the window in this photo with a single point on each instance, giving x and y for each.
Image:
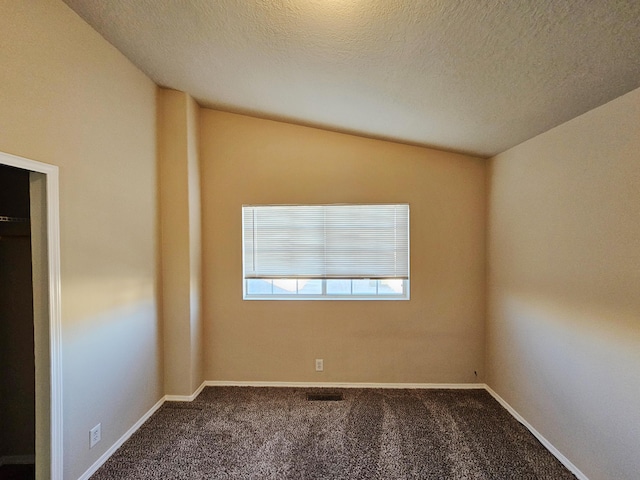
(344, 252)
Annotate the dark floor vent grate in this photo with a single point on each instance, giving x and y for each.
(324, 397)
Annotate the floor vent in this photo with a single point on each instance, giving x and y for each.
(324, 397)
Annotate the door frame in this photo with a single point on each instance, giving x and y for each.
(54, 296)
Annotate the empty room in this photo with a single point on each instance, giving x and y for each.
(319, 239)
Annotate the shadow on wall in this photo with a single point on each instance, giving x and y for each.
(114, 347)
(578, 362)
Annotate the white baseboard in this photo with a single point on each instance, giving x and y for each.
(212, 383)
(18, 460)
(458, 386)
(223, 383)
(547, 444)
(185, 398)
(105, 456)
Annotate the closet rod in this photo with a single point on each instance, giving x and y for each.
(13, 219)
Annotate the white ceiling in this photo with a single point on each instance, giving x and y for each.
(474, 76)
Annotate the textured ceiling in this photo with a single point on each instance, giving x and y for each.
(474, 76)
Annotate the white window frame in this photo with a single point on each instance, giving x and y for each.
(403, 295)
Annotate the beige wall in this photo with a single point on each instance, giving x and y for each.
(196, 322)
(42, 337)
(437, 336)
(69, 98)
(564, 286)
(179, 181)
(563, 328)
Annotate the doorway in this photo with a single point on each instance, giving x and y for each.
(17, 351)
(30, 362)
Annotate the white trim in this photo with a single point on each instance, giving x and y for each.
(105, 456)
(55, 315)
(432, 386)
(553, 450)
(18, 460)
(185, 398)
(320, 297)
(547, 444)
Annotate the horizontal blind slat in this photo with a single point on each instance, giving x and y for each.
(326, 241)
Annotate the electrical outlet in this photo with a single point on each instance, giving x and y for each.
(319, 365)
(95, 435)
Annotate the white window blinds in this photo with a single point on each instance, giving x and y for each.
(326, 241)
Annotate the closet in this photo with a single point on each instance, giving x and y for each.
(17, 366)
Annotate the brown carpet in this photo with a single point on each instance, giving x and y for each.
(276, 433)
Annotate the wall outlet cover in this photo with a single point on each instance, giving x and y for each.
(95, 435)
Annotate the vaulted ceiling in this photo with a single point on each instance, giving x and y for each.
(473, 76)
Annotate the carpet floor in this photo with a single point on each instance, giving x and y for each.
(276, 433)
